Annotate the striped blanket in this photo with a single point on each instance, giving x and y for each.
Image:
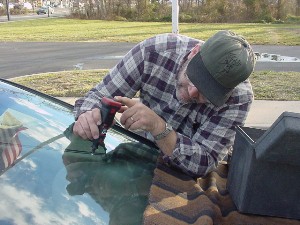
(176, 199)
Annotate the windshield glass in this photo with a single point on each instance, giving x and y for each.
(49, 176)
(27, 121)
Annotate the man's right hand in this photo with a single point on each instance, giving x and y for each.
(87, 123)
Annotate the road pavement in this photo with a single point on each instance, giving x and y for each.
(18, 58)
(25, 58)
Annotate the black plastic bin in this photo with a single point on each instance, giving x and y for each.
(264, 173)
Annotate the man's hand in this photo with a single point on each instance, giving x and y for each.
(137, 116)
(87, 123)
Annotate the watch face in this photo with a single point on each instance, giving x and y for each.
(164, 133)
(169, 127)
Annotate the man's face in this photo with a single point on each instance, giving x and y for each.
(185, 90)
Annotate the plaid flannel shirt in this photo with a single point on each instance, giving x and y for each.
(205, 133)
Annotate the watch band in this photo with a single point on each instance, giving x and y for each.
(164, 133)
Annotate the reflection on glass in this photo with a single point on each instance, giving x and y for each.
(27, 122)
(118, 181)
(10, 146)
(107, 188)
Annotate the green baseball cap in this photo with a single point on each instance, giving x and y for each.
(224, 60)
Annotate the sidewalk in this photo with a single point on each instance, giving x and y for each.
(262, 114)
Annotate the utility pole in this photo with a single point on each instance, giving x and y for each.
(7, 9)
(175, 17)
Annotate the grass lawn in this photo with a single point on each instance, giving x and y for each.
(62, 29)
(267, 85)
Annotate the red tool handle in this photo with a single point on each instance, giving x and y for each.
(108, 112)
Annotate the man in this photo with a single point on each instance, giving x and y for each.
(192, 95)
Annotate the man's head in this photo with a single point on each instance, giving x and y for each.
(224, 60)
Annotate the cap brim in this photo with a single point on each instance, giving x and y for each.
(205, 83)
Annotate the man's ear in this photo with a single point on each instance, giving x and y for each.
(194, 51)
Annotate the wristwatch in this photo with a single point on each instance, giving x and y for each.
(164, 133)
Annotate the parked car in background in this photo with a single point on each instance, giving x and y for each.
(44, 10)
(49, 176)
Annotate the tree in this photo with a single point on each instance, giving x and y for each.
(279, 13)
(191, 10)
(250, 9)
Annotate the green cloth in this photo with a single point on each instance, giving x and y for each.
(119, 181)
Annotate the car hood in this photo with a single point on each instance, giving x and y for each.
(49, 176)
